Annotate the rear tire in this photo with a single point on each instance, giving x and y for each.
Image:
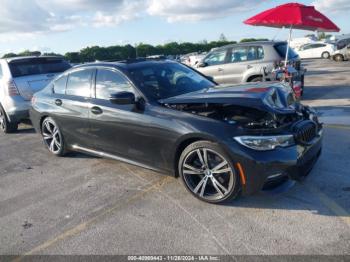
(53, 138)
(208, 172)
(5, 125)
(326, 55)
(339, 58)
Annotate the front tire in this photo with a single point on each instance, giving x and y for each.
(5, 125)
(52, 136)
(208, 172)
(339, 58)
(326, 55)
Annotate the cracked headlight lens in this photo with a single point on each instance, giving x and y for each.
(264, 143)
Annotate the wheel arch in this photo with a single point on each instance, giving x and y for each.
(7, 116)
(185, 142)
(42, 118)
(250, 78)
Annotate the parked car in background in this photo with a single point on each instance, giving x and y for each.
(298, 42)
(343, 42)
(247, 62)
(165, 116)
(342, 54)
(316, 50)
(20, 78)
(192, 59)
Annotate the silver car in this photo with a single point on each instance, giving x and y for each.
(20, 78)
(342, 54)
(247, 62)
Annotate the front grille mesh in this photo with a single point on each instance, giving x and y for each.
(305, 132)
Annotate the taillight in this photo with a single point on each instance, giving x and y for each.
(12, 88)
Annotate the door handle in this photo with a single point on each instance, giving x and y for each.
(58, 102)
(220, 69)
(96, 110)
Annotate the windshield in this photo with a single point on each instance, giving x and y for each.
(38, 66)
(164, 80)
(282, 50)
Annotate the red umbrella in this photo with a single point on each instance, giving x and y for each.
(294, 16)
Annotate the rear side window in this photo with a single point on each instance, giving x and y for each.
(342, 43)
(243, 54)
(281, 49)
(37, 66)
(216, 58)
(109, 82)
(79, 83)
(59, 86)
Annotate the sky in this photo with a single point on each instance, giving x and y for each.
(69, 25)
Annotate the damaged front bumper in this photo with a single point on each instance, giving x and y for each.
(264, 170)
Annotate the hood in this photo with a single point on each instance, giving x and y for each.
(259, 107)
(271, 97)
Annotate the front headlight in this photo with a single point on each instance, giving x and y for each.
(264, 143)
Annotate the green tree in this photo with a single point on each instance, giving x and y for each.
(222, 38)
(245, 40)
(9, 55)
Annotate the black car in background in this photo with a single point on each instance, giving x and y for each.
(167, 117)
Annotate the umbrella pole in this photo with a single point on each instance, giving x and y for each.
(288, 45)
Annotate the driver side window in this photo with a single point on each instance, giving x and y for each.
(109, 82)
(216, 58)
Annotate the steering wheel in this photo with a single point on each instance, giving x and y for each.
(183, 82)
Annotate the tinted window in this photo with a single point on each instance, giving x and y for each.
(306, 47)
(317, 45)
(79, 83)
(163, 80)
(0, 70)
(109, 82)
(59, 86)
(216, 57)
(37, 66)
(282, 51)
(342, 43)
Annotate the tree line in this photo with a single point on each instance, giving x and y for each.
(122, 52)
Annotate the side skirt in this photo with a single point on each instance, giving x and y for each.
(106, 155)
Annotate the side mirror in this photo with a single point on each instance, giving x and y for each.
(202, 64)
(123, 98)
(348, 47)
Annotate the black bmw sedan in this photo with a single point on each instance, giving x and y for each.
(164, 116)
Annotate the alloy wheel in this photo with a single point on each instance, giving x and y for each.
(208, 174)
(52, 136)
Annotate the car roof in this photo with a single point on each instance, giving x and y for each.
(19, 58)
(251, 43)
(125, 64)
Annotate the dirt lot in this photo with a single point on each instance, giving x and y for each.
(85, 205)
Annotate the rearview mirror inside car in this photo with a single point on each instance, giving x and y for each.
(123, 98)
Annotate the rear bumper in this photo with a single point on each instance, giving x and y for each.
(262, 170)
(17, 109)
